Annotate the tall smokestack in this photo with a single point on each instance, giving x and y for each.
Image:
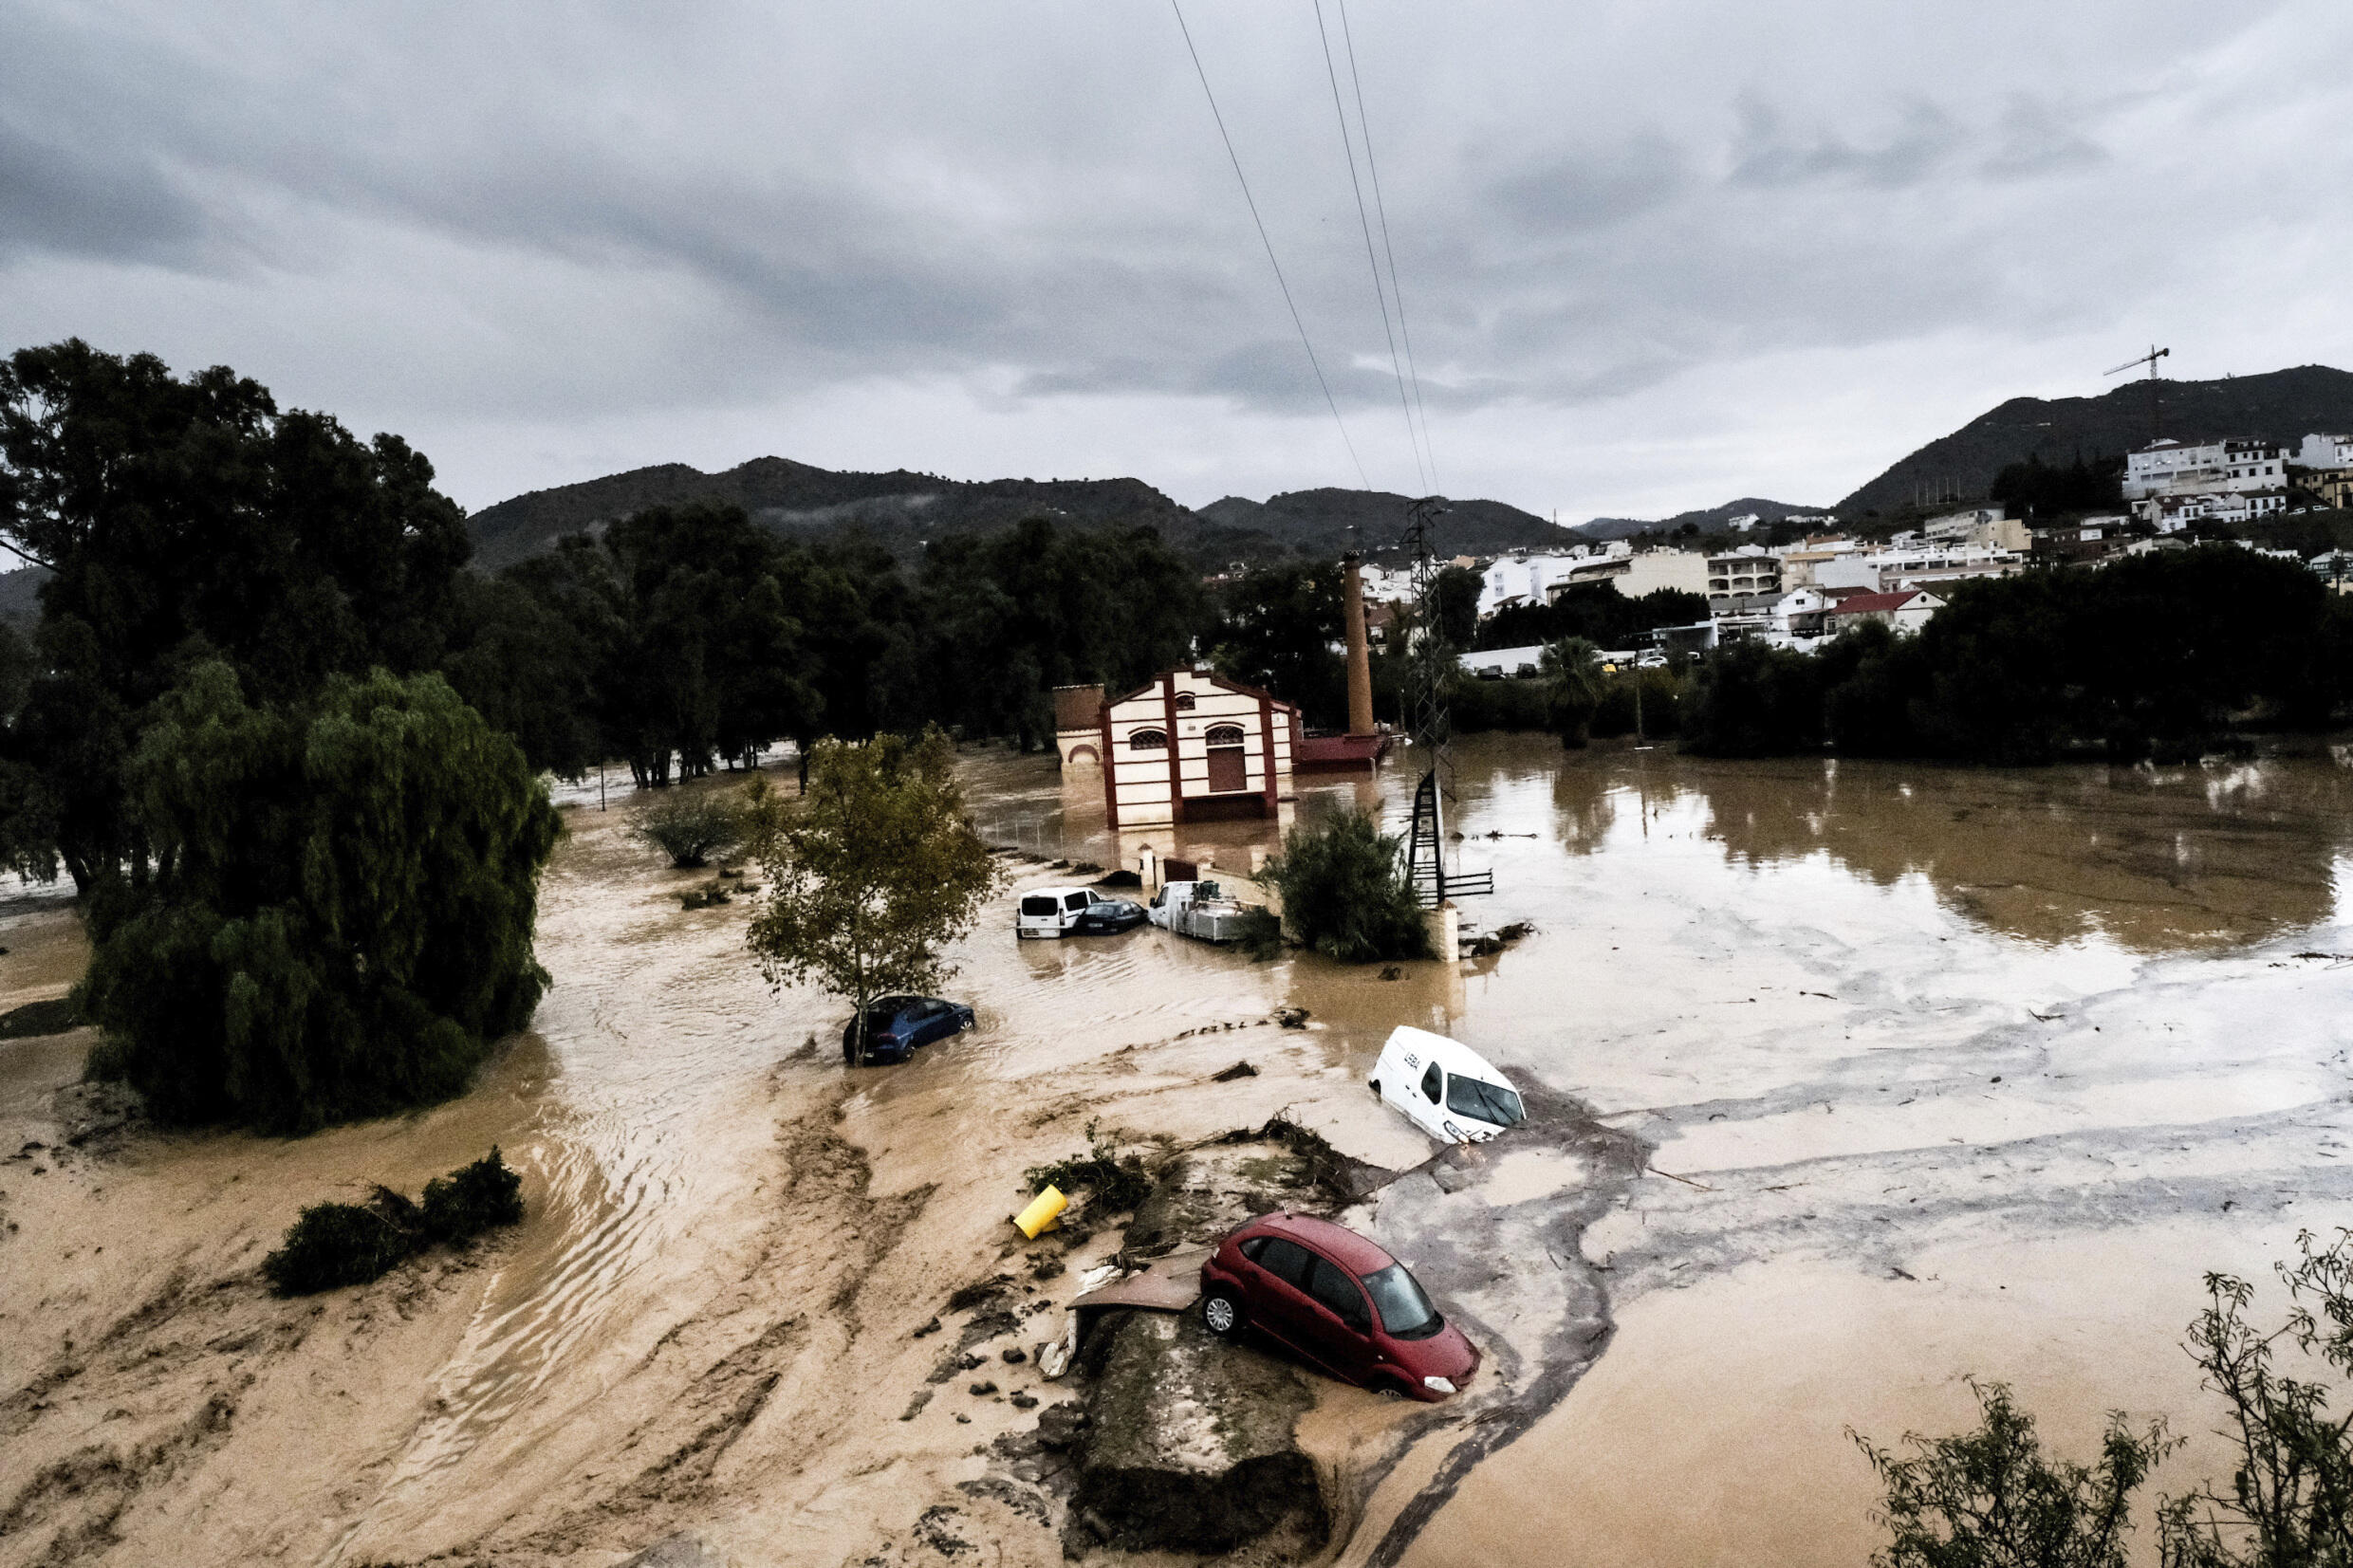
(1359, 651)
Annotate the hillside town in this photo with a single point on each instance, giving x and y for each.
(1802, 593)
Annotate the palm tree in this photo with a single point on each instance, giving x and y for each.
(1572, 671)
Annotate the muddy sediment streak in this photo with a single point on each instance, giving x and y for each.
(1494, 1232)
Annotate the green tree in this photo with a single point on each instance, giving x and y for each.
(2289, 1503)
(1458, 590)
(1345, 892)
(1993, 1499)
(1572, 673)
(1278, 631)
(186, 519)
(339, 919)
(1751, 700)
(877, 870)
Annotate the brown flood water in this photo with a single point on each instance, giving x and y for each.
(1794, 983)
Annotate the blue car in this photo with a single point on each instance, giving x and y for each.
(896, 1024)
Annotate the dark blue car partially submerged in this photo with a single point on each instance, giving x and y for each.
(896, 1024)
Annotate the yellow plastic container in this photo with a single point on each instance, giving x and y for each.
(1043, 1211)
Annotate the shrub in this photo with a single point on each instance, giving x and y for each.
(690, 826)
(342, 1244)
(472, 1199)
(1345, 892)
(333, 1245)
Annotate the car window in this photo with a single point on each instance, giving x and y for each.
(1471, 1096)
(1074, 900)
(1286, 1261)
(1430, 1084)
(1037, 905)
(1405, 1312)
(1254, 1246)
(1333, 1286)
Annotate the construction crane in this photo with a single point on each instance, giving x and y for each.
(2150, 360)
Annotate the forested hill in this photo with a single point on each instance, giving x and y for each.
(897, 508)
(900, 510)
(1328, 522)
(2283, 405)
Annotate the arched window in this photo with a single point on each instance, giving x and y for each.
(1224, 735)
(1148, 739)
(1184, 699)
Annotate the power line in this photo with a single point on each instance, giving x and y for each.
(1365, 223)
(1329, 402)
(1380, 206)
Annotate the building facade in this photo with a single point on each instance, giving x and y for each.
(1195, 747)
(1743, 574)
(1685, 570)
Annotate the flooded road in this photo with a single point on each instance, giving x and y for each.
(1953, 1071)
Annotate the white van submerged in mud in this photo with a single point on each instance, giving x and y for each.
(1445, 1088)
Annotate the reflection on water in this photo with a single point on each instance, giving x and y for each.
(2155, 859)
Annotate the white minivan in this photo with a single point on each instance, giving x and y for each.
(1445, 1088)
(1074, 912)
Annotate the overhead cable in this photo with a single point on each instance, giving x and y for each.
(1348, 149)
(1365, 127)
(1329, 402)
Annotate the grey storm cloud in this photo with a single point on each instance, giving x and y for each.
(492, 217)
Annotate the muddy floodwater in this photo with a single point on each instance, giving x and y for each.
(1860, 1079)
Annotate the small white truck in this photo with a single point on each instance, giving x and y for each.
(1196, 909)
(1444, 1087)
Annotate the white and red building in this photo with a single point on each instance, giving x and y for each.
(1193, 745)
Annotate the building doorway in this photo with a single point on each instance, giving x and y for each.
(1229, 764)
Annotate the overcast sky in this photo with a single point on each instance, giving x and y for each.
(1653, 256)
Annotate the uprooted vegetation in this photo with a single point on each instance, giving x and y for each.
(1113, 1182)
(333, 1245)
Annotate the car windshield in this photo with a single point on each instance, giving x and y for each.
(1405, 1312)
(1471, 1096)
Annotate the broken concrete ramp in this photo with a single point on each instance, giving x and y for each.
(1189, 1442)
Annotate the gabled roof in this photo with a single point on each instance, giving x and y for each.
(1215, 680)
(1863, 604)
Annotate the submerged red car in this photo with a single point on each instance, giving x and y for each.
(1338, 1302)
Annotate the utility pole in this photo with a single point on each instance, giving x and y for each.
(2150, 360)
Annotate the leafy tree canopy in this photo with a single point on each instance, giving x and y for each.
(877, 870)
(1346, 892)
(186, 519)
(339, 920)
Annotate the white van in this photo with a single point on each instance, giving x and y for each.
(1074, 912)
(1445, 1088)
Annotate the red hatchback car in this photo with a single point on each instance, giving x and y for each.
(1338, 1302)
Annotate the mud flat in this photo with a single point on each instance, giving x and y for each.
(1792, 986)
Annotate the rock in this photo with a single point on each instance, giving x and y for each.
(932, 1327)
(1015, 1356)
(1239, 1070)
(1292, 1018)
(1188, 1441)
(979, 1388)
(1025, 1401)
(915, 1406)
(1062, 1425)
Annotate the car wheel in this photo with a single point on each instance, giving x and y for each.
(1222, 1314)
(1388, 1390)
